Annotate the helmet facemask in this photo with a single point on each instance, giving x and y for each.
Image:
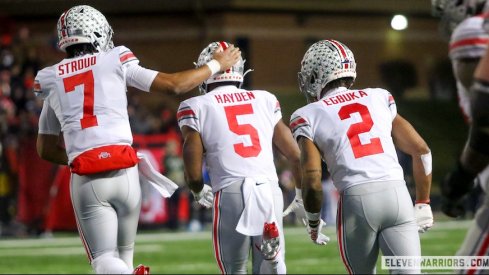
(234, 74)
(325, 61)
(84, 24)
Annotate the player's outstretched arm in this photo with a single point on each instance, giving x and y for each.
(182, 82)
(50, 149)
(409, 141)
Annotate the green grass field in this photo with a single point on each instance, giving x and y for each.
(191, 253)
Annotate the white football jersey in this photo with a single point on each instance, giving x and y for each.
(85, 98)
(237, 128)
(468, 40)
(352, 129)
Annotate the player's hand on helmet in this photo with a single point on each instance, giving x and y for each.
(205, 197)
(424, 216)
(228, 57)
(314, 230)
(296, 206)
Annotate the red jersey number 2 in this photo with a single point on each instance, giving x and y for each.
(232, 112)
(85, 79)
(359, 149)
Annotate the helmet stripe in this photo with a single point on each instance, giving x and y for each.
(63, 22)
(342, 51)
(224, 46)
(63, 27)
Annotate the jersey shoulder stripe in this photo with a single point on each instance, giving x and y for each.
(297, 123)
(126, 56)
(277, 107)
(185, 113)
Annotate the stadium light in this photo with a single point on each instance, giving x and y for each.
(399, 22)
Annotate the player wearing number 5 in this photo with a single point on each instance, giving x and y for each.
(355, 132)
(235, 130)
(85, 100)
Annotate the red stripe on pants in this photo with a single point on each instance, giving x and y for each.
(340, 236)
(215, 232)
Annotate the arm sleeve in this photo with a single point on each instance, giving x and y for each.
(391, 103)
(277, 111)
(187, 116)
(136, 76)
(300, 127)
(40, 90)
(139, 77)
(48, 122)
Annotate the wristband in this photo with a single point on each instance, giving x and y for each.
(313, 216)
(214, 66)
(423, 201)
(427, 163)
(298, 193)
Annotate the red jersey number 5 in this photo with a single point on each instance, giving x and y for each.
(85, 79)
(359, 149)
(232, 112)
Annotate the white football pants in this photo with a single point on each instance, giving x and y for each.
(372, 216)
(107, 207)
(231, 248)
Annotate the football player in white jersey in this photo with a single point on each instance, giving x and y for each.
(85, 101)
(355, 132)
(468, 44)
(235, 131)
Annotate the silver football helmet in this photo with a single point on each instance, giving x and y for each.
(452, 12)
(235, 74)
(325, 61)
(84, 24)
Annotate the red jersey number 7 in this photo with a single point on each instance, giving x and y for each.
(85, 79)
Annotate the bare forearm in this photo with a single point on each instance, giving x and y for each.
(195, 185)
(49, 147)
(312, 191)
(422, 181)
(180, 82)
(57, 155)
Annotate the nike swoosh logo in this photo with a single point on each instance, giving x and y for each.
(260, 183)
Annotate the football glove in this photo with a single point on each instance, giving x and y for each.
(205, 197)
(296, 206)
(314, 232)
(454, 187)
(424, 216)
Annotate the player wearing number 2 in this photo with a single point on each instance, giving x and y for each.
(85, 100)
(354, 132)
(235, 130)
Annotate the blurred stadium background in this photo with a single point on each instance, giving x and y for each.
(35, 211)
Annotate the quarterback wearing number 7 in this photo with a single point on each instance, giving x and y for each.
(85, 105)
(355, 132)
